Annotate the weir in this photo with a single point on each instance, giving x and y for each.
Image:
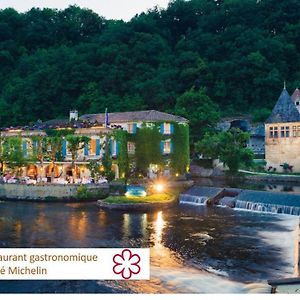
(199, 195)
(261, 201)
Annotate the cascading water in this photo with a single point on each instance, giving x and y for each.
(270, 202)
(267, 207)
(191, 199)
(260, 201)
(199, 195)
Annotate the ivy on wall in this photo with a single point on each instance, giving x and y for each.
(147, 149)
(123, 160)
(107, 160)
(180, 157)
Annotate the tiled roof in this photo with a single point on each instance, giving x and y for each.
(146, 116)
(296, 95)
(284, 110)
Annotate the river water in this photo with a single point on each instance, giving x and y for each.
(194, 249)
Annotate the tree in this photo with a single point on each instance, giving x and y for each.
(229, 147)
(75, 144)
(198, 108)
(13, 154)
(95, 168)
(39, 149)
(54, 146)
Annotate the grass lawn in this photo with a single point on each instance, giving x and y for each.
(163, 197)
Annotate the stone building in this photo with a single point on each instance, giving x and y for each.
(98, 128)
(282, 134)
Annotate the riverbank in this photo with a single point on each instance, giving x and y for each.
(71, 192)
(53, 192)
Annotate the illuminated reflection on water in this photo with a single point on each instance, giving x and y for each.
(193, 249)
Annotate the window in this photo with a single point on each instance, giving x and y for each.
(298, 130)
(167, 128)
(282, 132)
(131, 147)
(167, 147)
(273, 132)
(93, 147)
(294, 131)
(287, 131)
(131, 127)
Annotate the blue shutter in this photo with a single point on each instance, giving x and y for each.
(86, 149)
(34, 146)
(111, 147)
(97, 146)
(162, 143)
(117, 148)
(64, 148)
(24, 148)
(172, 128)
(134, 128)
(171, 147)
(162, 128)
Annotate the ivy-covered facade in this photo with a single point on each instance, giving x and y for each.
(113, 145)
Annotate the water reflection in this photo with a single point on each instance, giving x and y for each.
(78, 225)
(193, 249)
(126, 226)
(159, 225)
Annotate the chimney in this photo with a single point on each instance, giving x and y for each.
(73, 115)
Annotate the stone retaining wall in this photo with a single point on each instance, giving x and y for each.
(53, 192)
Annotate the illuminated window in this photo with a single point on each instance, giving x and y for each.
(298, 130)
(93, 147)
(131, 147)
(167, 147)
(131, 127)
(167, 128)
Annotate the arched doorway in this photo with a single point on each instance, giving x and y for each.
(72, 171)
(52, 171)
(32, 171)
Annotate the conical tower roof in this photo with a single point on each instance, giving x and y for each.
(284, 110)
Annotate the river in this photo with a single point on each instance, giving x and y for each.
(194, 249)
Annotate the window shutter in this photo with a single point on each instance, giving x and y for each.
(171, 147)
(172, 128)
(162, 128)
(98, 147)
(117, 148)
(111, 145)
(86, 149)
(64, 148)
(24, 148)
(134, 128)
(162, 144)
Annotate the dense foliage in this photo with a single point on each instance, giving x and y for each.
(147, 152)
(123, 160)
(180, 158)
(237, 52)
(229, 147)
